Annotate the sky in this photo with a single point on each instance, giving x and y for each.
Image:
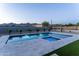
(59, 13)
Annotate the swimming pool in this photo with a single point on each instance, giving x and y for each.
(46, 36)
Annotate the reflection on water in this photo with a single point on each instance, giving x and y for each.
(25, 37)
(40, 35)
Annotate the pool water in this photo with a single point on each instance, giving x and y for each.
(60, 35)
(51, 38)
(45, 36)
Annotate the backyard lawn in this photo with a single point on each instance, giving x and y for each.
(71, 49)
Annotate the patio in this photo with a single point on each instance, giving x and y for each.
(36, 47)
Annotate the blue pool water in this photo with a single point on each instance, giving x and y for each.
(46, 36)
(51, 38)
(60, 35)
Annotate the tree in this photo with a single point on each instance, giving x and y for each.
(77, 23)
(70, 24)
(45, 24)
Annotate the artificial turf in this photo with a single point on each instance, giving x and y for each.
(71, 49)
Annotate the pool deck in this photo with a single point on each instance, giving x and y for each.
(35, 47)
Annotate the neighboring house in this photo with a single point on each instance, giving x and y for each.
(57, 27)
(37, 25)
(15, 27)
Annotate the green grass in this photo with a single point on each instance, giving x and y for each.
(71, 49)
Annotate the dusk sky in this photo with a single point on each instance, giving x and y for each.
(37, 13)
